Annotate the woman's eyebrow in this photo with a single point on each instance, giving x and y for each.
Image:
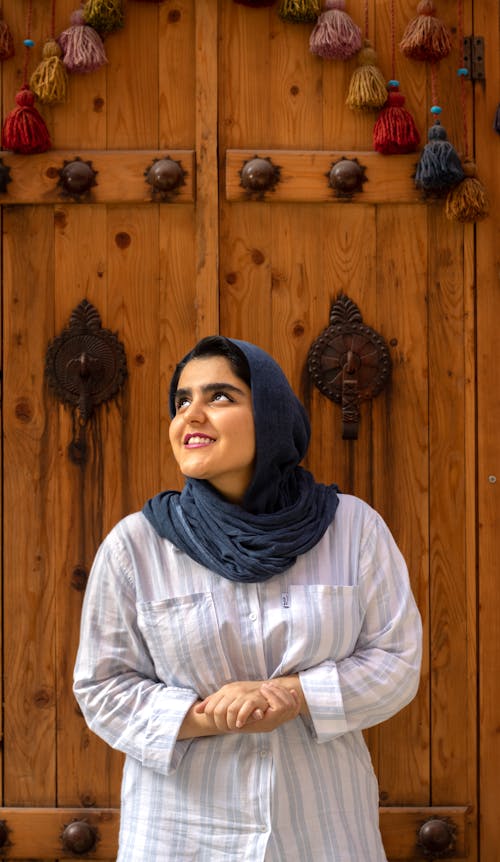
(209, 387)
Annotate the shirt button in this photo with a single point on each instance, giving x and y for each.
(263, 828)
(253, 617)
(263, 753)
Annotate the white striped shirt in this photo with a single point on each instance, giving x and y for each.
(160, 631)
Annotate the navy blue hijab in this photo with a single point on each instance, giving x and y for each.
(284, 512)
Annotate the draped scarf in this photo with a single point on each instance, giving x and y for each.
(284, 511)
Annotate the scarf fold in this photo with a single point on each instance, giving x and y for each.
(284, 513)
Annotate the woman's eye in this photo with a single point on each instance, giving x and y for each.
(180, 403)
(221, 396)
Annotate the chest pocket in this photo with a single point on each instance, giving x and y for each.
(323, 623)
(182, 635)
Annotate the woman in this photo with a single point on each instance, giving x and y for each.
(237, 637)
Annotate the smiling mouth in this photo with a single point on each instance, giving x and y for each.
(195, 440)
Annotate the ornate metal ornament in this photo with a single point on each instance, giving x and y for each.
(349, 362)
(165, 176)
(85, 366)
(76, 179)
(436, 838)
(258, 176)
(346, 177)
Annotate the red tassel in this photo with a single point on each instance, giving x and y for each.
(24, 130)
(426, 37)
(6, 40)
(395, 131)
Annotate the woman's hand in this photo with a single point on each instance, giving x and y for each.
(255, 706)
(283, 706)
(235, 705)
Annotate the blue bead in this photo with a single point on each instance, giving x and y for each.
(393, 83)
(436, 109)
(29, 43)
(463, 71)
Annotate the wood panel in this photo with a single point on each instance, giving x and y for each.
(487, 292)
(29, 447)
(120, 176)
(39, 831)
(304, 176)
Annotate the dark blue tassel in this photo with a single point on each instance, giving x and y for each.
(496, 122)
(439, 167)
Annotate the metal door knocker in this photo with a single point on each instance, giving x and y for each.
(85, 366)
(349, 362)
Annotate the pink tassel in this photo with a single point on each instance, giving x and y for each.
(335, 35)
(82, 47)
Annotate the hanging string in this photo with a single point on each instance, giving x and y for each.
(439, 167)
(395, 130)
(468, 201)
(367, 90)
(24, 129)
(49, 81)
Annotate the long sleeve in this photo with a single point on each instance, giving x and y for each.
(382, 674)
(115, 682)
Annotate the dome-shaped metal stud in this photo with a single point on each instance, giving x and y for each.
(259, 175)
(76, 178)
(79, 837)
(346, 177)
(436, 837)
(5, 177)
(4, 833)
(165, 176)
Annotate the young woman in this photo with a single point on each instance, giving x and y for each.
(237, 637)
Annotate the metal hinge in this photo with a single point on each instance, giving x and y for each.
(474, 57)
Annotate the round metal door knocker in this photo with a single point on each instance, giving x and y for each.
(85, 366)
(349, 362)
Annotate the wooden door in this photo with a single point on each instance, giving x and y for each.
(211, 85)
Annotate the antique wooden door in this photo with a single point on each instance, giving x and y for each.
(209, 86)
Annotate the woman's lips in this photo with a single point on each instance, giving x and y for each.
(193, 441)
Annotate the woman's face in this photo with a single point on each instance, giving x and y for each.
(212, 433)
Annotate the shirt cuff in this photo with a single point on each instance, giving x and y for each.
(321, 687)
(163, 752)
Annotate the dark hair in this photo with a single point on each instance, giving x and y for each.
(213, 345)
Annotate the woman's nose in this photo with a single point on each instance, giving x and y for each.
(195, 411)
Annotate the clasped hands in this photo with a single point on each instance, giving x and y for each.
(251, 706)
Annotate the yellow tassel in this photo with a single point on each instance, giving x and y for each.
(468, 201)
(299, 10)
(367, 88)
(49, 81)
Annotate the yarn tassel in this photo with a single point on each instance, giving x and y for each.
(395, 131)
(104, 15)
(299, 10)
(367, 90)
(426, 37)
(49, 81)
(6, 40)
(335, 35)
(439, 167)
(24, 130)
(82, 47)
(468, 201)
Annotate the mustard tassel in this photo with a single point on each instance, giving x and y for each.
(49, 81)
(104, 15)
(468, 201)
(299, 10)
(367, 88)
